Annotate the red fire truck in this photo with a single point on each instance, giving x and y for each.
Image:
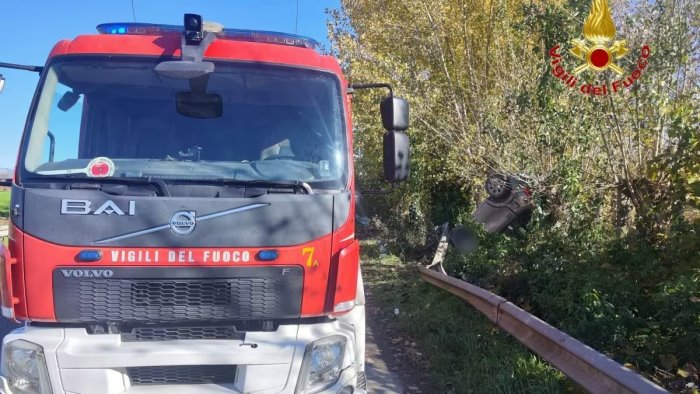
(182, 216)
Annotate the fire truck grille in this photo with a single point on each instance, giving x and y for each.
(194, 292)
(177, 294)
(171, 333)
(182, 374)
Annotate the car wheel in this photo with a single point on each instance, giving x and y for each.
(497, 186)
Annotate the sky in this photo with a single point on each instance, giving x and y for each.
(31, 28)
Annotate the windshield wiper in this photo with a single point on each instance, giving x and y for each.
(258, 183)
(158, 184)
(162, 187)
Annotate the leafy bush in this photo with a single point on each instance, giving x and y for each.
(629, 298)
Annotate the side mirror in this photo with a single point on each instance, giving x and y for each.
(396, 156)
(2, 82)
(464, 240)
(394, 112)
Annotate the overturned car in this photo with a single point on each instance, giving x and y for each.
(508, 207)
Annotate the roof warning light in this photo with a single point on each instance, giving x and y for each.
(262, 36)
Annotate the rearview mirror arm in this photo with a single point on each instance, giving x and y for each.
(37, 69)
(379, 192)
(360, 86)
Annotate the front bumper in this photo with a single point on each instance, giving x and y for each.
(84, 364)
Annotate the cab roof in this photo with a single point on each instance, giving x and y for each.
(163, 41)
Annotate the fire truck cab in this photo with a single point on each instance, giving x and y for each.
(182, 217)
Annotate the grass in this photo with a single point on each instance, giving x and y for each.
(4, 211)
(4, 204)
(463, 351)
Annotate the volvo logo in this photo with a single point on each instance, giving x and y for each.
(87, 273)
(183, 222)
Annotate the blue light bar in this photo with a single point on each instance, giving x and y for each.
(267, 255)
(268, 37)
(146, 29)
(88, 255)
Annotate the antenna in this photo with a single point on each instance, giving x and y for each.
(133, 10)
(296, 21)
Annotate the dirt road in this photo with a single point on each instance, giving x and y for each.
(382, 376)
(389, 368)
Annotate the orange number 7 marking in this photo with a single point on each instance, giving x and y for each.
(310, 258)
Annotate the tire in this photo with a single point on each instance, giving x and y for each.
(497, 186)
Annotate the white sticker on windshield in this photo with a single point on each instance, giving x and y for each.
(324, 167)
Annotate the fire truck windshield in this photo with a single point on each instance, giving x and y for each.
(116, 117)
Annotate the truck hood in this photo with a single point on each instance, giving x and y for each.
(94, 218)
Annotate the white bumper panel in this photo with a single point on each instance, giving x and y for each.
(79, 363)
(81, 350)
(184, 389)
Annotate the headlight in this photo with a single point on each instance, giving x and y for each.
(322, 365)
(24, 367)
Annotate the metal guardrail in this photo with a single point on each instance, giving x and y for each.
(594, 371)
